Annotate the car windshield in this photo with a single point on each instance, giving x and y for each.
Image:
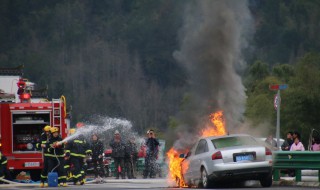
(233, 141)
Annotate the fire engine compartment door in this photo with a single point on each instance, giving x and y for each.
(26, 130)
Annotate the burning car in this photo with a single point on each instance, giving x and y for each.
(219, 159)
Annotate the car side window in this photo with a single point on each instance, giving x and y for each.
(202, 147)
(206, 148)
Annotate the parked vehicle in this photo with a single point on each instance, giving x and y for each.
(24, 111)
(262, 141)
(228, 158)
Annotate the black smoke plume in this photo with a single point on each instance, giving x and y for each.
(212, 40)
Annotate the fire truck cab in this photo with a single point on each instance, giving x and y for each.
(24, 112)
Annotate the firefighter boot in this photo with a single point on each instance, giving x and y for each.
(76, 183)
(41, 184)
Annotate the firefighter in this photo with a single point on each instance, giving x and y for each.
(56, 158)
(118, 153)
(84, 167)
(3, 165)
(76, 150)
(97, 156)
(44, 139)
(67, 165)
(131, 157)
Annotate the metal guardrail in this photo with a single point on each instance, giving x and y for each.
(295, 160)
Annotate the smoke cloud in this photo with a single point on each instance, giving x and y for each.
(212, 39)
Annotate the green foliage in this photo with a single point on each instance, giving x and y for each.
(256, 72)
(259, 106)
(300, 103)
(114, 57)
(284, 72)
(286, 29)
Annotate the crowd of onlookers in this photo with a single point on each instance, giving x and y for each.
(125, 156)
(293, 142)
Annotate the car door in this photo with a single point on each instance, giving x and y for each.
(199, 156)
(188, 163)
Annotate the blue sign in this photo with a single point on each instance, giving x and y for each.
(283, 86)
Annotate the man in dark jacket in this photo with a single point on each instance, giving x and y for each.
(76, 151)
(41, 145)
(288, 142)
(131, 157)
(118, 152)
(3, 165)
(96, 147)
(152, 153)
(56, 156)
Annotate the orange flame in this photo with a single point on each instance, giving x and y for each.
(219, 125)
(175, 167)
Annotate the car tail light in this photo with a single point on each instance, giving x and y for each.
(216, 156)
(268, 151)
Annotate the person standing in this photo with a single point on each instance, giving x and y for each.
(131, 157)
(152, 152)
(67, 164)
(295, 135)
(271, 142)
(297, 145)
(118, 153)
(3, 165)
(44, 139)
(76, 151)
(316, 145)
(56, 158)
(288, 142)
(97, 156)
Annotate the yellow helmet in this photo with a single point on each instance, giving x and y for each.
(72, 131)
(47, 128)
(54, 129)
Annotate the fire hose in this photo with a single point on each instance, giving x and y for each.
(54, 151)
(13, 183)
(16, 184)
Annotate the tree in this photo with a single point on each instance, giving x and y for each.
(302, 102)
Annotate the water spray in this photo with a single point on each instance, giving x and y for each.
(108, 124)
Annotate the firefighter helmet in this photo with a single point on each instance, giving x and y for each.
(79, 125)
(47, 128)
(72, 131)
(54, 129)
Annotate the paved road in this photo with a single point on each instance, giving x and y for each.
(155, 184)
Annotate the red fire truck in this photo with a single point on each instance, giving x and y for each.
(22, 118)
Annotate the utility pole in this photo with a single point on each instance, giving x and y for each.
(278, 119)
(277, 103)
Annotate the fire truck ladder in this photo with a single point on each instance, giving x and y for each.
(56, 105)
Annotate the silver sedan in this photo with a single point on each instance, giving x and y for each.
(227, 159)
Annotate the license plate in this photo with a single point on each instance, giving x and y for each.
(31, 164)
(244, 157)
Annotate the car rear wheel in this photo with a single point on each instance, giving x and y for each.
(204, 181)
(266, 181)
